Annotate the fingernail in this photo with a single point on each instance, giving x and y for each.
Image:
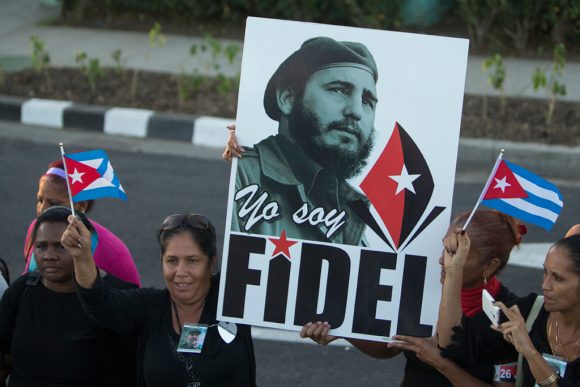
(309, 324)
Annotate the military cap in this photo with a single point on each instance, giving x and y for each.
(316, 54)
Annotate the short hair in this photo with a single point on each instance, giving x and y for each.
(492, 234)
(57, 214)
(572, 245)
(204, 237)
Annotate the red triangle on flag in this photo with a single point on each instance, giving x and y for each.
(504, 185)
(79, 175)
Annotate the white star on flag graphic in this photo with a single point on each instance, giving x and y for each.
(76, 176)
(502, 183)
(404, 180)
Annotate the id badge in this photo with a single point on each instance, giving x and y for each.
(505, 373)
(192, 338)
(558, 364)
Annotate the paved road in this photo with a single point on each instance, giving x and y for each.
(162, 178)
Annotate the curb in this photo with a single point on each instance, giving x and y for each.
(130, 122)
(551, 161)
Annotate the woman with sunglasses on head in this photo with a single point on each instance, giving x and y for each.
(110, 253)
(495, 235)
(550, 348)
(157, 318)
(50, 339)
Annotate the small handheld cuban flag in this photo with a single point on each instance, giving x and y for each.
(522, 194)
(90, 176)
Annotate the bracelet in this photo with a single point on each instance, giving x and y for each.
(551, 379)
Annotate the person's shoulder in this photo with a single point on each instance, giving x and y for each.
(506, 296)
(249, 153)
(103, 231)
(114, 282)
(24, 278)
(525, 303)
(18, 286)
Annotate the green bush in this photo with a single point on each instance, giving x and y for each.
(364, 13)
(517, 25)
(495, 24)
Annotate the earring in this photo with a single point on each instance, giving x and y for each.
(484, 280)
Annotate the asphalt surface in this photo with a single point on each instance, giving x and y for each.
(163, 177)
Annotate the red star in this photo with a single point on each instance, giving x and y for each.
(282, 245)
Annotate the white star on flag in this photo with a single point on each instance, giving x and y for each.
(404, 180)
(502, 184)
(76, 176)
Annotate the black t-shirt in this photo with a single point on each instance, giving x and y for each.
(418, 373)
(53, 342)
(146, 314)
(475, 337)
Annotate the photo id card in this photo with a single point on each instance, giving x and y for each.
(192, 338)
(558, 364)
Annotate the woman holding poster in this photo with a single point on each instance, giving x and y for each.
(550, 348)
(493, 236)
(180, 341)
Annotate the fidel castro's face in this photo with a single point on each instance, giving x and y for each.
(334, 119)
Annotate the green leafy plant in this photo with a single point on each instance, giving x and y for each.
(494, 68)
(156, 37)
(227, 84)
(90, 67)
(552, 82)
(217, 50)
(117, 57)
(40, 58)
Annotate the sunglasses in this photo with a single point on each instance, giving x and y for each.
(175, 221)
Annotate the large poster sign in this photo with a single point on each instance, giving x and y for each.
(338, 207)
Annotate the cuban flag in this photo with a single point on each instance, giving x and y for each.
(522, 194)
(91, 176)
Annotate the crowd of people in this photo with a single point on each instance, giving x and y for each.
(103, 330)
(81, 289)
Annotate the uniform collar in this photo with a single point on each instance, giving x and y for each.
(286, 163)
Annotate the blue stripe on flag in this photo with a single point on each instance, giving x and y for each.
(97, 193)
(532, 177)
(527, 217)
(541, 202)
(88, 155)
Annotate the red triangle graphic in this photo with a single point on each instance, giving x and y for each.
(504, 185)
(381, 190)
(83, 172)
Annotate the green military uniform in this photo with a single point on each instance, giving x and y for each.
(291, 178)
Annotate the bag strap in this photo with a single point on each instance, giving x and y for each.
(538, 303)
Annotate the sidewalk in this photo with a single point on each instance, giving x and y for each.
(19, 20)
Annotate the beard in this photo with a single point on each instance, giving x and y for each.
(339, 159)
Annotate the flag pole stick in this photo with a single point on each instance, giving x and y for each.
(485, 188)
(72, 208)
